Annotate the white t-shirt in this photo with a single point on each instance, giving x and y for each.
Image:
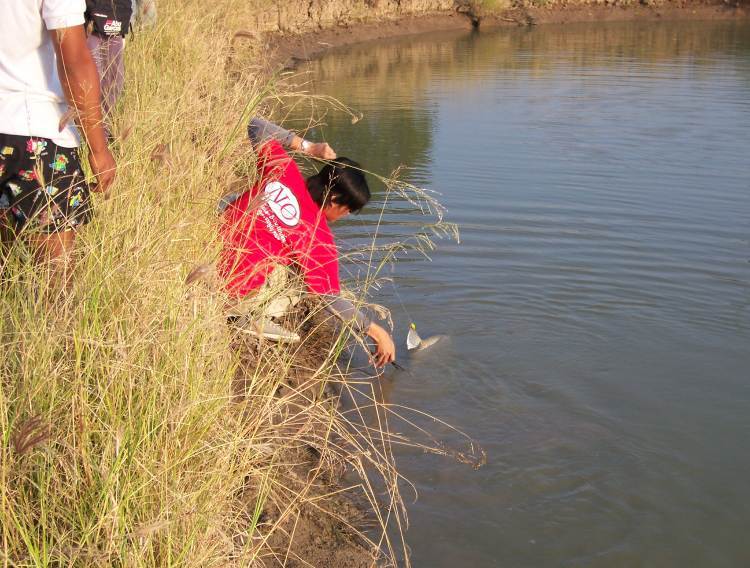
(31, 98)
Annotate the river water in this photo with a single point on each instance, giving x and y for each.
(598, 304)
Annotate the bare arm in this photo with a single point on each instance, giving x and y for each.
(80, 83)
(347, 312)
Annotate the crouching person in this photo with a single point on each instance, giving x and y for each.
(283, 222)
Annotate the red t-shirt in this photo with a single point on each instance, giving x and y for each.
(277, 222)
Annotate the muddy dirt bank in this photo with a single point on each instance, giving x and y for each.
(310, 515)
(292, 42)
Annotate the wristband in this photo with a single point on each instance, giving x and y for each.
(305, 145)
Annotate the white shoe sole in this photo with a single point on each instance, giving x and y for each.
(293, 338)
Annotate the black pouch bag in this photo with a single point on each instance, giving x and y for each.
(109, 17)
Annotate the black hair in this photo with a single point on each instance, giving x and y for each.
(341, 182)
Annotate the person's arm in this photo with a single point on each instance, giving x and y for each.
(319, 268)
(347, 312)
(80, 83)
(260, 131)
(386, 349)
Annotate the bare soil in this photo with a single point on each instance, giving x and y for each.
(289, 49)
(317, 522)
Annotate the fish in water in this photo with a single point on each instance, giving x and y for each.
(413, 341)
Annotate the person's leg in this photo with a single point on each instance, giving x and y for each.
(108, 56)
(254, 313)
(6, 241)
(279, 306)
(280, 293)
(117, 62)
(112, 72)
(53, 252)
(94, 43)
(11, 149)
(44, 200)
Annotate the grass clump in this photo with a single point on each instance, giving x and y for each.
(120, 446)
(136, 431)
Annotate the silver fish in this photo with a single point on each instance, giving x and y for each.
(413, 341)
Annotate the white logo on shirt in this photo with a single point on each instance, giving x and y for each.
(283, 203)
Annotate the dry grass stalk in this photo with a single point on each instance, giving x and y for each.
(30, 434)
(163, 154)
(199, 273)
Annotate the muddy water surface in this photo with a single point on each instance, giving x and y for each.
(599, 301)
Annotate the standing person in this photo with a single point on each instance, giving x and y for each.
(45, 70)
(107, 22)
(283, 221)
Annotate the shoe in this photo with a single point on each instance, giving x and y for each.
(266, 329)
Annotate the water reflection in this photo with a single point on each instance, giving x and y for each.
(599, 303)
(398, 73)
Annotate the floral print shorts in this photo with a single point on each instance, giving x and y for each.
(42, 185)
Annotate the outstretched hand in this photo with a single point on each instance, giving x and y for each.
(321, 150)
(385, 348)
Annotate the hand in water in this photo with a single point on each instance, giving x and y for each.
(386, 349)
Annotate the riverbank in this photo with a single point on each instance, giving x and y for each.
(294, 39)
(310, 516)
(290, 49)
(125, 439)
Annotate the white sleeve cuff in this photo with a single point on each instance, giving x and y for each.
(57, 22)
(59, 14)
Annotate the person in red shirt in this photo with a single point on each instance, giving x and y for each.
(283, 221)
